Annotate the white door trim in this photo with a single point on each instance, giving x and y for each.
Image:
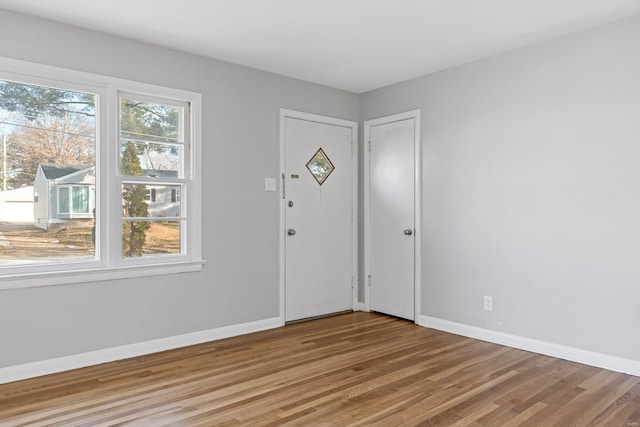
(284, 114)
(414, 114)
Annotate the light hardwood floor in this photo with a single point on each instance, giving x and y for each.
(350, 369)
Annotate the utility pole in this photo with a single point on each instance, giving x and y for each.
(4, 162)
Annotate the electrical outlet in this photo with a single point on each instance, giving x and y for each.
(488, 303)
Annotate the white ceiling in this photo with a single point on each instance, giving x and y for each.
(356, 45)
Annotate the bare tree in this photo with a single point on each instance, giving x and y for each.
(64, 139)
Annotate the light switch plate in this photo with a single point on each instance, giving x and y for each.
(269, 184)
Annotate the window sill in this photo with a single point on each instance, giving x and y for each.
(36, 280)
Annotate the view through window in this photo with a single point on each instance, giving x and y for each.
(99, 175)
(48, 178)
(152, 152)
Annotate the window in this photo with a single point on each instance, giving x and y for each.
(320, 166)
(63, 200)
(49, 147)
(153, 140)
(59, 141)
(150, 195)
(75, 201)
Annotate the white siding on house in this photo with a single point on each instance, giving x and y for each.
(47, 189)
(82, 178)
(41, 200)
(17, 205)
(164, 204)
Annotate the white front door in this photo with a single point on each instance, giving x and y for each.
(390, 214)
(319, 216)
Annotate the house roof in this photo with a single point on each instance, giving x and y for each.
(54, 170)
(160, 173)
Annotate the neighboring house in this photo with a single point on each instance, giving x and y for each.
(64, 196)
(162, 200)
(17, 205)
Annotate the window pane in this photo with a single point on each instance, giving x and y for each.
(158, 201)
(152, 145)
(140, 238)
(49, 135)
(150, 159)
(149, 121)
(80, 197)
(31, 245)
(63, 200)
(320, 166)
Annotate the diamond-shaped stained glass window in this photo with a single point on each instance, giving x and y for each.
(320, 166)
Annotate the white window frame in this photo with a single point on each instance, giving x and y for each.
(183, 176)
(108, 263)
(71, 214)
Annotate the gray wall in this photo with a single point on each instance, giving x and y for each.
(531, 189)
(240, 220)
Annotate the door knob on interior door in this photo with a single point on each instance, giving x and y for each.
(408, 232)
(291, 232)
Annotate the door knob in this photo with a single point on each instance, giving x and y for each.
(408, 232)
(291, 232)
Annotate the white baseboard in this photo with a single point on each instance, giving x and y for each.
(359, 307)
(600, 360)
(50, 366)
(66, 363)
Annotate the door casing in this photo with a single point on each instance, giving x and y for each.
(284, 114)
(413, 114)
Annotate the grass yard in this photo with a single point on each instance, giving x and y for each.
(162, 238)
(25, 242)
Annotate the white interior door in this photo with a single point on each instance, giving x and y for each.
(390, 215)
(318, 217)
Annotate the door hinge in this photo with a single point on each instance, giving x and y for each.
(353, 282)
(352, 148)
(352, 215)
(369, 142)
(369, 279)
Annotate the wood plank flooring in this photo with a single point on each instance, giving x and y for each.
(353, 369)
